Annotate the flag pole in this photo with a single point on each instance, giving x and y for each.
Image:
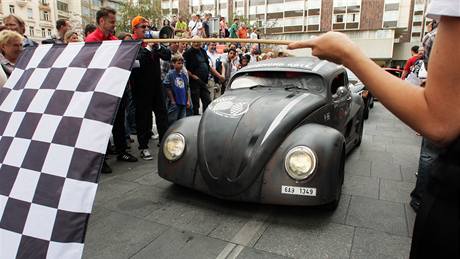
(219, 40)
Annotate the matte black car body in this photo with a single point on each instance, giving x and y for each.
(239, 153)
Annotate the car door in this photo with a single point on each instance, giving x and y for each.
(341, 101)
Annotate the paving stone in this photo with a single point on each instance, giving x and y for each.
(186, 216)
(368, 243)
(98, 213)
(132, 174)
(395, 191)
(386, 170)
(176, 243)
(374, 155)
(361, 186)
(360, 167)
(307, 240)
(151, 179)
(252, 253)
(112, 189)
(119, 236)
(139, 202)
(241, 226)
(377, 214)
(408, 174)
(410, 216)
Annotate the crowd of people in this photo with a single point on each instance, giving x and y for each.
(183, 78)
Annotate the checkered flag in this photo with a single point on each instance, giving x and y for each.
(56, 114)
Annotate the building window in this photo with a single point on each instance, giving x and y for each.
(62, 6)
(30, 13)
(353, 17)
(31, 31)
(346, 14)
(43, 33)
(45, 16)
(314, 4)
(313, 20)
(338, 18)
(49, 32)
(11, 8)
(44, 2)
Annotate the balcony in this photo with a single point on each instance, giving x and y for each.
(21, 3)
(63, 14)
(46, 24)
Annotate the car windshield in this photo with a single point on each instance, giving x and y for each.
(286, 80)
(352, 78)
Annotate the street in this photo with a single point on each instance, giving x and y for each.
(137, 214)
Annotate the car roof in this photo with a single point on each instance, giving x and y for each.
(300, 64)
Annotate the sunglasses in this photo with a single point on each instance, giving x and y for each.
(141, 26)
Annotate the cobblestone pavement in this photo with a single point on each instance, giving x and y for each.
(139, 215)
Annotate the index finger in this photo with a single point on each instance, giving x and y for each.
(302, 44)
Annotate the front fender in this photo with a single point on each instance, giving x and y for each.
(183, 170)
(328, 144)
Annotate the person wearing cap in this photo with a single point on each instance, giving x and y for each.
(195, 26)
(147, 90)
(105, 19)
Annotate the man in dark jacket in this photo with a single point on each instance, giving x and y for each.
(62, 26)
(147, 89)
(197, 64)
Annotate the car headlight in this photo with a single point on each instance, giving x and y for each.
(174, 146)
(300, 162)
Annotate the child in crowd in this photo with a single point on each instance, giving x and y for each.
(176, 84)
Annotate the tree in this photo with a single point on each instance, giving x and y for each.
(150, 9)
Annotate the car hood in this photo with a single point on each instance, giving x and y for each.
(239, 132)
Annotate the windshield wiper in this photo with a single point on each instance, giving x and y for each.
(293, 87)
(255, 86)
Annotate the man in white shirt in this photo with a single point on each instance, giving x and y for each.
(195, 26)
(215, 83)
(254, 53)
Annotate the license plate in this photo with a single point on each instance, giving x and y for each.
(297, 190)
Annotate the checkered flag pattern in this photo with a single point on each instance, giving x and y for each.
(56, 115)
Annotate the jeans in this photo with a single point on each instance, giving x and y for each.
(176, 112)
(428, 154)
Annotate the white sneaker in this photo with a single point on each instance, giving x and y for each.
(155, 136)
(145, 154)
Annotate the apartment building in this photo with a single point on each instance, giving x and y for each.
(90, 7)
(384, 29)
(39, 16)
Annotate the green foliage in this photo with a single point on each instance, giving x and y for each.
(150, 9)
(242, 18)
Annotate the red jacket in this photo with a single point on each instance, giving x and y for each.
(98, 35)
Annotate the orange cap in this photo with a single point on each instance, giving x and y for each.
(137, 20)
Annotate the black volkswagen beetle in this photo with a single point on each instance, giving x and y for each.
(279, 135)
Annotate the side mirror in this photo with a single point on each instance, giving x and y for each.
(342, 91)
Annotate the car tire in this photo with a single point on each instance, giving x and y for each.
(371, 102)
(366, 111)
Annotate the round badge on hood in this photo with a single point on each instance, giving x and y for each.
(229, 107)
